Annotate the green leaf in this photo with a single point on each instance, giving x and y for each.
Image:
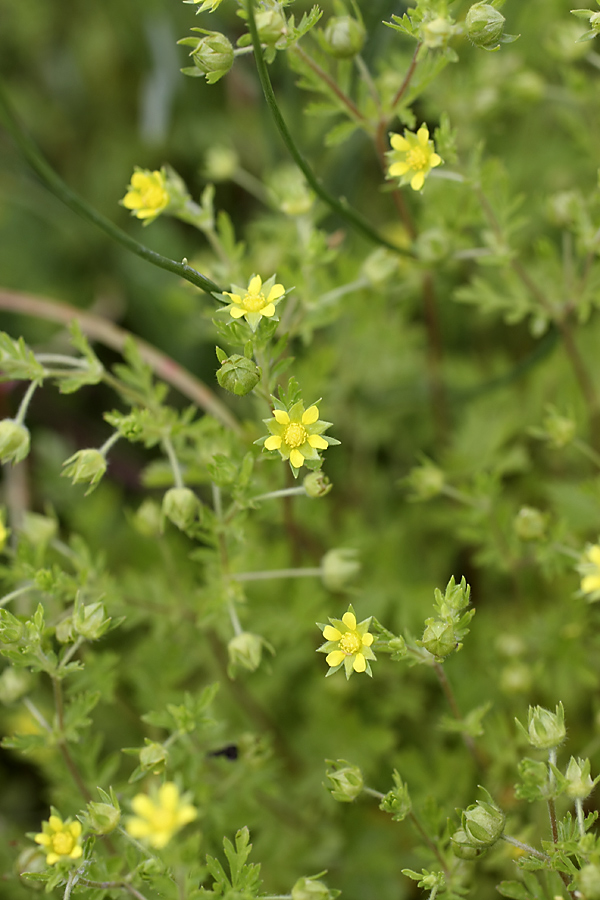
(17, 361)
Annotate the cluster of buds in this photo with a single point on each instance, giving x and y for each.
(397, 802)
(482, 824)
(443, 634)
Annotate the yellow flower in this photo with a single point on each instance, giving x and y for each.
(147, 195)
(589, 569)
(297, 434)
(412, 157)
(348, 644)
(161, 816)
(60, 840)
(256, 301)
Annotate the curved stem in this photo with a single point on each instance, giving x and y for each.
(312, 572)
(526, 847)
(174, 462)
(449, 694)
(341, 207)
(407, 78)
(24, 405)
(353, 110)
(62, 744)
(100, 329)
(57, 186)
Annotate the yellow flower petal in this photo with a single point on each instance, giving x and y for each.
(317, 442)
(52, 858)
(434, 160)
(331, 634)
(75, 828)
(349, 620)
(273, 442)
(423, 135)
(398, 169)
(255, 285)
(418, 181)
(139, 180)
(43, 839)
(168, 795)
(310, 416)
(76, 852)
(236, 312)
(296, 459)
(398, 142)
(131, 200)
(360, 663)
(593, 554)
(138, 828)
(281, 416)
(143, 805)
(590, 583)
(367, 639)
(55, 823)
(276, 292)
(335, 658)
(268, 310)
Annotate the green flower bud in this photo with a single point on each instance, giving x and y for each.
(220, 163)
(90, 621)
(462, 846)
(102, 818)
(588, 882)
(310, 888)
(11, 629)
(438, 638)
(37, 529)
(484, 25)
(516, 678)
(483, 823)
(238, 374)
(343, 37)
(290, 190)
(85, 467)
(147, 519)
(212, 55)
(14, 441)
(437, 32)
(530, 524)
(153, 756)
(345, 780)
(546, 730)
(425, 481)
(579, 781)
(64, 631)
(271, 25)
(181, 506)
(245, 650)
(339, 567)
(14, 683)
(397, 802)
(316, 485)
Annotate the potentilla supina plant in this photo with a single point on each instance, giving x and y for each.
(297, 434)
(412, 157)
(60, 840)
(348, 644)
(160, 815)
(253, 302)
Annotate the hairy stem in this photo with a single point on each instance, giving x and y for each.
(449, 694)
(61, 742)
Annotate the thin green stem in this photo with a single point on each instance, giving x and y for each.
(109, 443)
(341, 207)
(368, 80)
(272, 495)
(526, 847)
(57, 186)
(61, 742)
(113, 885)
(224, 554)
(434, 849)
(16, 593)
(72, 651)
(39, 718)
(373, 793)
(334, 88)
(579, 812)
(452, 702)
(407, 78)
(62, 359)
(173, 461)
(278, 573)
(24, 405)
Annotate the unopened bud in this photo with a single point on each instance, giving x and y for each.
(343, 37)
(316, 485)
(339, 567)
(271, 25)
(14, 441)
(530, 524)
(588, 881)
(436, 33)
(483, 823)
(212, 55)
(463, 847)
(154, 756)
(102, 818)
(85, 467)
(311, 889)
(181, 507)
(245, 650)
(147, 519)
(345, 780)
(438, 638)
(238, 374)
(579, 781)
(546, 730)
(397, 802)
(484, 25)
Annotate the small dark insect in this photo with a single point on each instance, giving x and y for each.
(230, 751)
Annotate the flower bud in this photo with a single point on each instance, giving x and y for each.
(438, 638)
(343, 37)
(530, 524)
(147, 519)
(102, 818)
(339, 567)
(14, 441)
(546, 730)
(90, 621)
(397, 802)
(436, 33)
(238, 375)
(588, 881)
(484, 25)
(85, 467)
(426, 480)
(483, 823)
(462, 846)
(346, 781)
(579, 781)
(181, 507)
(220, 163)
(11, 629)
(154, 756)
(245, 650)
(316, 485)
(271, 25)
(38, 529)
(212, 55)
(311, 889)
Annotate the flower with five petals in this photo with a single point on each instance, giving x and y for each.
(160, 816)
(60, 841)
(297, 434)
(147, 195)
(348, 644)
(255, 301)
(412, 157)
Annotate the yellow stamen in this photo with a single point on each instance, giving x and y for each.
(295, 435)
(350, 643)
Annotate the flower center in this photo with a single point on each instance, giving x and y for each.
(153, 196)
(295, 435)
(350, 642)
(63, 843)
(254, 302)
(163, 820)
(417, 158)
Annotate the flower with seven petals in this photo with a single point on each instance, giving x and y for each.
(255, 301)
(412, 157)
(147, 195)
(60, 840)
(297, 434)
(348, 644)
(159, 817)
(589, 568)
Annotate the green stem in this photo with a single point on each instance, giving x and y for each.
(526, 847)
(341, 207)
(430, 844)
(407, 78)
(20, 417)
(272, 495)
(16, 593)
(109, 443)
(352, 109)
(61, 359)
(373, 793)
(61, 742)
(57, 186)
(113, 885)
(278, 573)
(39, 718)
(579, 811)
(174, 462)
(452, 702)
